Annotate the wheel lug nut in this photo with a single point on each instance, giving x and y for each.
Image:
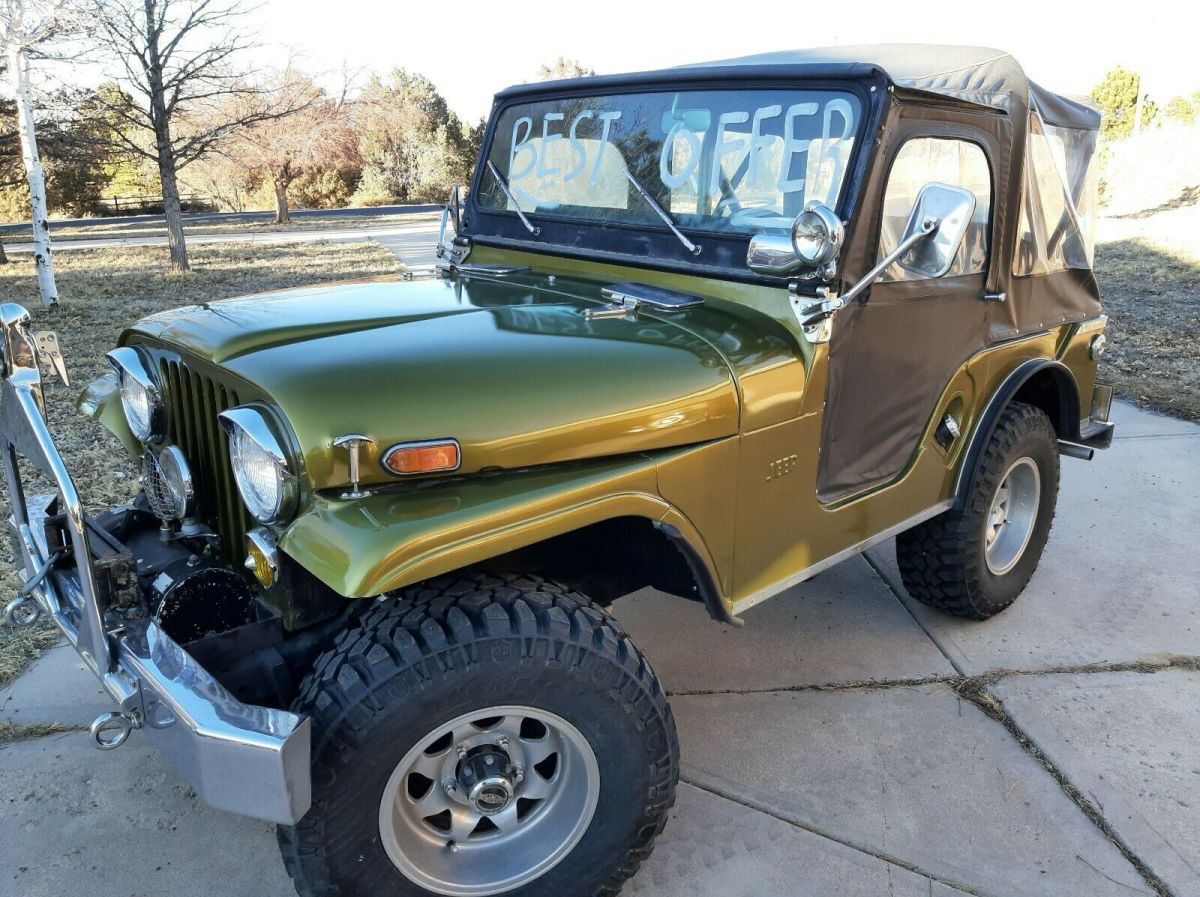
(450, 786)
(502, 741)
(462, 751)
(452, 847)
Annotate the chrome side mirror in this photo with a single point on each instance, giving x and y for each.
(952, 209)
(935, 230)
(813, 243)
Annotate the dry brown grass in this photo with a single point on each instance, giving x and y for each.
(10, 733)
(1151, 294)
(104, 290)
(20, 647)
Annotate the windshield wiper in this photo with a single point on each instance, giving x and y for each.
(536, 231)
(662, 213)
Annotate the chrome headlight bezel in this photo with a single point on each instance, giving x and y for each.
(169, 472)
(817, 235)
(136, 381)
(177, 476)
(256, 425)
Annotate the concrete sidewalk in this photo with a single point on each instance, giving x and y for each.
(846, 741)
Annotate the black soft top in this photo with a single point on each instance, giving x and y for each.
(979, 76)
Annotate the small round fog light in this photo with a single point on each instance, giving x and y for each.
(168, 482)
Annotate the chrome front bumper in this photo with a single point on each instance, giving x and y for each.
(238, 757)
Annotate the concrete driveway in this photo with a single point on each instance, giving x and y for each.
(846, 741)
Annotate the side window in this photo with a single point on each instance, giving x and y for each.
(1058, 202)
(958, 163)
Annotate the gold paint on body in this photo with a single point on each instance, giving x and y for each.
(742, 492)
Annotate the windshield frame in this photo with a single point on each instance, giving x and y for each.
(651, 244)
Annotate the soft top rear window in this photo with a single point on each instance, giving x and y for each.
(715, 160)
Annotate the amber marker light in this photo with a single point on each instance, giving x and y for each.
(262, 557)
(407, 458)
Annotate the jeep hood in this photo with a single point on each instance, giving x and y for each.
(509, 367)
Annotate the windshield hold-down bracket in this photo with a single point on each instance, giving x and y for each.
(628, 298)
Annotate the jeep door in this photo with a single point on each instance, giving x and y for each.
(893, 351)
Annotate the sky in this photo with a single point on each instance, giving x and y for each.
(471, 49)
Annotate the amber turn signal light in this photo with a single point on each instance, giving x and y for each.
(262, 557)
(408, 458)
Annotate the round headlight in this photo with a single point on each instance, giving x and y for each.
(259, 476)
(144, 411)
(139, 407)
(817, 235)
(260, 468)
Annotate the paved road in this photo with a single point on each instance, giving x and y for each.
(199, 218)
(411, 241)
(830, 746)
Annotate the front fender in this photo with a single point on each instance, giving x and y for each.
(396, 537)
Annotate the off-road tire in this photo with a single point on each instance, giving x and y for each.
(457, 644)
(942, 561)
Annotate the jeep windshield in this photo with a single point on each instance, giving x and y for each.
(728, 161)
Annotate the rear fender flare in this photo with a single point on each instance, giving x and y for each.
(1064, 415)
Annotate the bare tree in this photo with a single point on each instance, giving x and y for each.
(178, 68)
(220, 178)
(281, 150)
(26, 26)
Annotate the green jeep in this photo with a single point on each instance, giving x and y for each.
(711, 329)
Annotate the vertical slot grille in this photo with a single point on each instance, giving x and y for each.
(194, 401)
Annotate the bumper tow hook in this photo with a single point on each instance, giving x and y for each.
(111, 730)
(22, 612)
